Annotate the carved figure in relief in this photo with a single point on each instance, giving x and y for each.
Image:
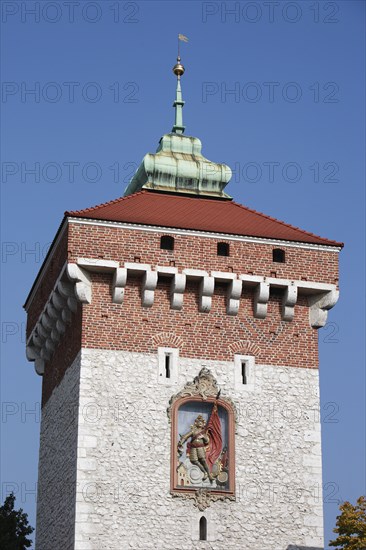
(196, 448)
(205, 445)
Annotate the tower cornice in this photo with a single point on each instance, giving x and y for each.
(175, 231)
(75, 285)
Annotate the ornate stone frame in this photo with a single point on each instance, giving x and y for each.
(203, 388)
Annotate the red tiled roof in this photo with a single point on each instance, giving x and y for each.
(203, 214)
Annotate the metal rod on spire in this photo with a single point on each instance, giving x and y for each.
(178, 70)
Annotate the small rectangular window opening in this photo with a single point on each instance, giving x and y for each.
(167, 365)
(243, 372)
(167, 242)
(223, 249)
(278, 255)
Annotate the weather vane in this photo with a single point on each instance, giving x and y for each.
(181, 38)
(178, 70)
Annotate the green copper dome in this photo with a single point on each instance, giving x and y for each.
(178, 165)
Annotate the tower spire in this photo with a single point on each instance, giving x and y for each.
(178, 70)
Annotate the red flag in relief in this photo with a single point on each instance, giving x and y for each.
(214, 431)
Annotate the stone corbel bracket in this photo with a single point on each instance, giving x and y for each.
(82, 282)
(177, 289)
(73, 285)
(261, 298)
(97, 265)
(149, 281)
(234, 290)
(288, 302)
(233, 297)
(206, 288)
(118, 285)
(177, 286)
(319, 306)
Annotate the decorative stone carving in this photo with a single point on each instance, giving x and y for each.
(204, 385)
(203, 498)
(208, 475)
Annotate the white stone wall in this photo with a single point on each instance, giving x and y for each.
(123, 469)
(57, 465)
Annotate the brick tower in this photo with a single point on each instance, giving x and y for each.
(176, 333)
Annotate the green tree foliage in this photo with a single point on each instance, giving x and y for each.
(351, 526)
(14, 527)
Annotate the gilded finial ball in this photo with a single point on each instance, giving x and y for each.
(178, 69)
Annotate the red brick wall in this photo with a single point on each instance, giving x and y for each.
(112, 243)
(213, 335)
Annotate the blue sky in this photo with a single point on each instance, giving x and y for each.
(274, 90)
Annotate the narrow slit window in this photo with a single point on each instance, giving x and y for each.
(244, 369)
(167, 365)
(278, 255)
(167, 242)
(244, 379)
(203, 528)
(223, 249)
(167, 370)
(243, 372)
